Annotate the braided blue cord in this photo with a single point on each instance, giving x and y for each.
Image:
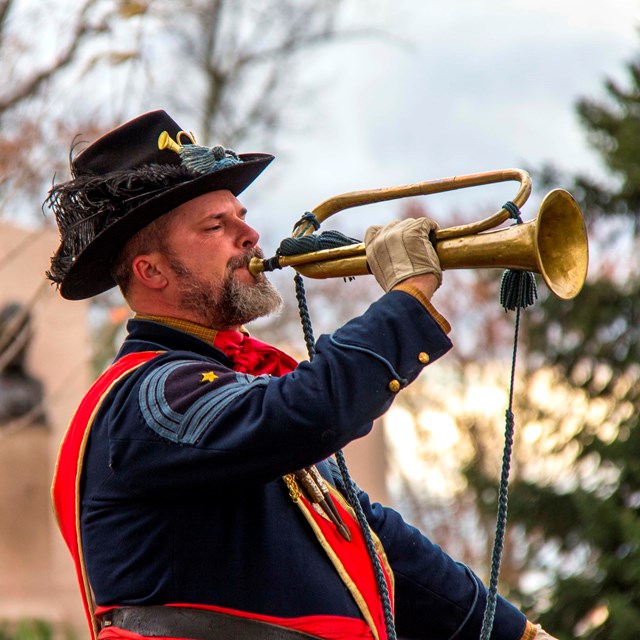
(305, 318)
(501, 520)
(352, 496)
(314, 242)
(371, 547)
(207, 160)
(518, 289)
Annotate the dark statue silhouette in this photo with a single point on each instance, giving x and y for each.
(20, 393)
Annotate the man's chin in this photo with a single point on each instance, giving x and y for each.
(248, 301)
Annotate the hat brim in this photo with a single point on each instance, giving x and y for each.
(90, 273)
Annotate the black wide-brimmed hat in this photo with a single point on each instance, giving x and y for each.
(125, 180)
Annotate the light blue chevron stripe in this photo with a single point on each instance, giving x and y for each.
(153, 403)
(208, 407)
(187, 428)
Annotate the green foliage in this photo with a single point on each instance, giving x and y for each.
(27, 630)
(593, 529)
(614, 130)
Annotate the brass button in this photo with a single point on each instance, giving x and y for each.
(423, 357)
(394, 386)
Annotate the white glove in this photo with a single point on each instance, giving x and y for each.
(401, 249)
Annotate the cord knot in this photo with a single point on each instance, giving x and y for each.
(307, 218)
(513, 210)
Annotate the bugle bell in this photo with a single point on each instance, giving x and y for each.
(554, 244)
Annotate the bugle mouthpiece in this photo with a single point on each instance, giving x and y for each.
(256, 266)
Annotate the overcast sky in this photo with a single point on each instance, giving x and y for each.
(464, 86)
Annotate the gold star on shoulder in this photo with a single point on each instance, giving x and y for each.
(209, 376)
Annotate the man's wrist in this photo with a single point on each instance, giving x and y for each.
(426, 283)
(419, 295)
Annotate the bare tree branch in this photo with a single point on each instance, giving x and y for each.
(217, 80)
(5, 7)
(242, 61)
(30, 87)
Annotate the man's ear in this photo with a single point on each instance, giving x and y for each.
(150, 270)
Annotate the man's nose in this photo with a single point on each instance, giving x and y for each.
(248, 236)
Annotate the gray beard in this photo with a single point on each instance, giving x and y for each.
(229, 303)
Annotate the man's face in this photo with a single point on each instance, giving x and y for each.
(208, 247)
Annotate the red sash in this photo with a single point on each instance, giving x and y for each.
(65, 491)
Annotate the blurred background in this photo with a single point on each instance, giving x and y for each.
(358, 95)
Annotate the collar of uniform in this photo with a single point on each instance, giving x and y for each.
(204, 333)
(199, 331)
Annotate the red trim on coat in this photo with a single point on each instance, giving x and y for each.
(65, 491)
(356, 561)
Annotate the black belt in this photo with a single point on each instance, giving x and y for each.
(199, 624)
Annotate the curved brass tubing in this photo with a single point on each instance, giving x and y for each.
(554, 245)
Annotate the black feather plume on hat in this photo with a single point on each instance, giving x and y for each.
(86, 205)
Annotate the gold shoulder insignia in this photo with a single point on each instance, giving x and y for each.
(209, 376)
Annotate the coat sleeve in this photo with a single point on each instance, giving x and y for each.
(186, 422)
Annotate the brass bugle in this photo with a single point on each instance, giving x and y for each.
(554, 245)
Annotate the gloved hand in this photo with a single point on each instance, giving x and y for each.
(401, 249)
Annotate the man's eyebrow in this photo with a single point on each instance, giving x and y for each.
(211, 215)
(219, 214)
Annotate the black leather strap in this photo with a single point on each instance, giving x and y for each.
(198, 624)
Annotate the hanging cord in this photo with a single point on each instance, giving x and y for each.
(501, 520)
(350, 486)
(305, 318)
(381, 580)
(518, 291)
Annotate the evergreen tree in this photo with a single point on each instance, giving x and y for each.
(588, 531)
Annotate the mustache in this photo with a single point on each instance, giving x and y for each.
(238, 262)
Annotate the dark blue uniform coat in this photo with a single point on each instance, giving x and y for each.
(182, 496)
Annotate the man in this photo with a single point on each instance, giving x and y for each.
(196, 486)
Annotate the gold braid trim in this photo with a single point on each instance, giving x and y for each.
(416, 293)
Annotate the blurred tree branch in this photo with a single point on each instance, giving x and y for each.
(31, 85)
(249, 73)
(232, 70)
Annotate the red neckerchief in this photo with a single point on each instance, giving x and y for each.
(253, 356)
